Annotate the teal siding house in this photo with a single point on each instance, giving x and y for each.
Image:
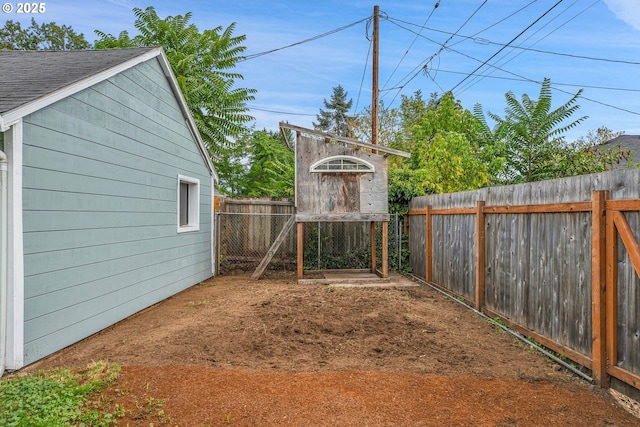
(106, 195)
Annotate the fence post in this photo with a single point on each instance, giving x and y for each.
(428, 246)
(598, 286)
(480, 254)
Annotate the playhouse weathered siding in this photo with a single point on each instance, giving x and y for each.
(100, 182)
(351, 196)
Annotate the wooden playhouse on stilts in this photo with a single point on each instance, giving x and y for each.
(338, 180)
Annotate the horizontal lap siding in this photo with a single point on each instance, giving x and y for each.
(100, 208)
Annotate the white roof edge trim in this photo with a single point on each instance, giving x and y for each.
(191, 124)
(12, 116)
(371, 167)
(57, 95)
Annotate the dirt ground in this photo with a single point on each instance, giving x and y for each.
(236, 352)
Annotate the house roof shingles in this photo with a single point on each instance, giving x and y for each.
(626, 142)
(26, 76)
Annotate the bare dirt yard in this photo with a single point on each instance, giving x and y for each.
(236, 352)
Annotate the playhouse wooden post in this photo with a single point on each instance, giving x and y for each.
(300, 250)
(385, 249)
(373, 247)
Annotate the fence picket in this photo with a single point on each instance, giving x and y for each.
(551, 264)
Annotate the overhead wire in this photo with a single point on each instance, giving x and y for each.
(310, 39)
(424, 63)
(481, 40)
(523, 78)
(552, 86)
(505, 62)
(437, 4)
(280, 112)
(507, 45)
(422, 67)
(364, 73)
(501, 20)
(489, 76)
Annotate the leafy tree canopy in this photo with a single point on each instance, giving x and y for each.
(445, 155)
(532, 133)
(262, 165)
(46, 36)
(203, 64)
(272, 171)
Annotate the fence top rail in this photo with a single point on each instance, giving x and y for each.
(258, 202)
(256, 213)
(623, 205)
(541, 208)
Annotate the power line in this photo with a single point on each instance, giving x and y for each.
(523, 78)
(489, 76)
(527, 49)
(504, 47)
(424, 63)
(505, 62)
(280, 112)
(319, 36)
(412, 43)
(364, 72)
(500, 21)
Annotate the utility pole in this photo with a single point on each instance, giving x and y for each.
(374, 96)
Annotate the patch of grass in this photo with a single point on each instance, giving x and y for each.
(199, 303)
(57, 397)
(207, 284)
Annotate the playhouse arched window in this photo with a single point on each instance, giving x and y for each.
(342, 164)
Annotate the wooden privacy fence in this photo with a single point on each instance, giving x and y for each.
(557, 260)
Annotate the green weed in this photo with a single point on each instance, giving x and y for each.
(57, 397)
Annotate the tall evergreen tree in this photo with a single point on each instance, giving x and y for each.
(335, 119)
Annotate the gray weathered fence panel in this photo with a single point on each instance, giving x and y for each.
(538, 265)
(454, 253)
(417, 243)
(628, 303)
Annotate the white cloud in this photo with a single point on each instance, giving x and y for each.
(626, 10)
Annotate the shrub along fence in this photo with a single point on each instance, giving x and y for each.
(557, 260)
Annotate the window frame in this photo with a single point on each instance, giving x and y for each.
(193, 204)
(370, 168)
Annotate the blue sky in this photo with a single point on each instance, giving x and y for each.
(292, 83)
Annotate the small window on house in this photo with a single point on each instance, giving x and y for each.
(188, 204)
(342, 164)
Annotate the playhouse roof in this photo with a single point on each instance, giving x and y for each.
(350, 141)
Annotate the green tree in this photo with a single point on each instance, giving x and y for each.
(272, 170)
(203, 64)
(532, 134)
(46, 36)
(389, 125)
(445, 153)
(335, 119)
(587, 155)
(599, 136)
